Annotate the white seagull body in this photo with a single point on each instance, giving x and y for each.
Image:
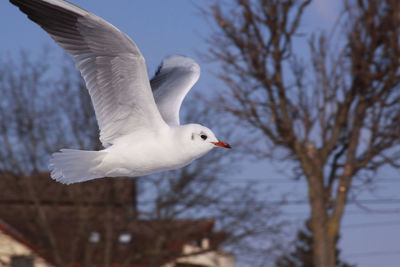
(140, 130)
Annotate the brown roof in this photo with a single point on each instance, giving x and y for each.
(60, 221)
(17, 189)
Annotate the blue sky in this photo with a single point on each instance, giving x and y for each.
(162, 28)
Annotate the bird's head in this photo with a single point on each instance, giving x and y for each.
(200, 139)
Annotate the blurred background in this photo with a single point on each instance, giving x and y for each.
(307, 93)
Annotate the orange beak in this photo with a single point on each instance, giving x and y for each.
(221, 144)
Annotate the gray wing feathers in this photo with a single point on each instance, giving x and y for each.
(110, 62)
(172, 81)
(104, 72)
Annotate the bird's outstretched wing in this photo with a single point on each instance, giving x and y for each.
(172, 81)
(110, 62)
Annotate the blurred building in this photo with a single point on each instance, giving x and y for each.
(16, 251)
(44, 223)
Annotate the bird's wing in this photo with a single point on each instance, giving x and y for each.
(110, 62)
(172, 81)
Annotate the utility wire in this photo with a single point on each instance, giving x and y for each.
(372, 224)
(287, 181)
(372, 253)
(347, 213)
(361, 201)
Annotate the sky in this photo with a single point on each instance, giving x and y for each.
(161, 28)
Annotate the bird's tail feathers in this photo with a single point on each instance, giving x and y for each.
(73, 166)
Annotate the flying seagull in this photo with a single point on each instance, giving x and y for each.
(138, 119)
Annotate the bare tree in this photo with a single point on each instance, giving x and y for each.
(38, 115)
(44, 108)
(203, 190)
(334, 116)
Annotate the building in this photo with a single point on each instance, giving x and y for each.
(15, 251)
(44, 223)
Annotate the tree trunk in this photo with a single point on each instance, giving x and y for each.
(324, 244)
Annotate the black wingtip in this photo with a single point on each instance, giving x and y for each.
(158, 70)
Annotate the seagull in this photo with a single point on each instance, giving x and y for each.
(138, 119)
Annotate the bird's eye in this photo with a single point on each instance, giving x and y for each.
(203, 136)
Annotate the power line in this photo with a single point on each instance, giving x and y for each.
(372, 253)
(372, 224)
(287, 181)
(347, 213)
(269, 202)
(361, 201)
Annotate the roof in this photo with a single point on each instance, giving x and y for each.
(15, 190)
(93, 221)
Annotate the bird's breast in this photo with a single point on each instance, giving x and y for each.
(140, 156)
